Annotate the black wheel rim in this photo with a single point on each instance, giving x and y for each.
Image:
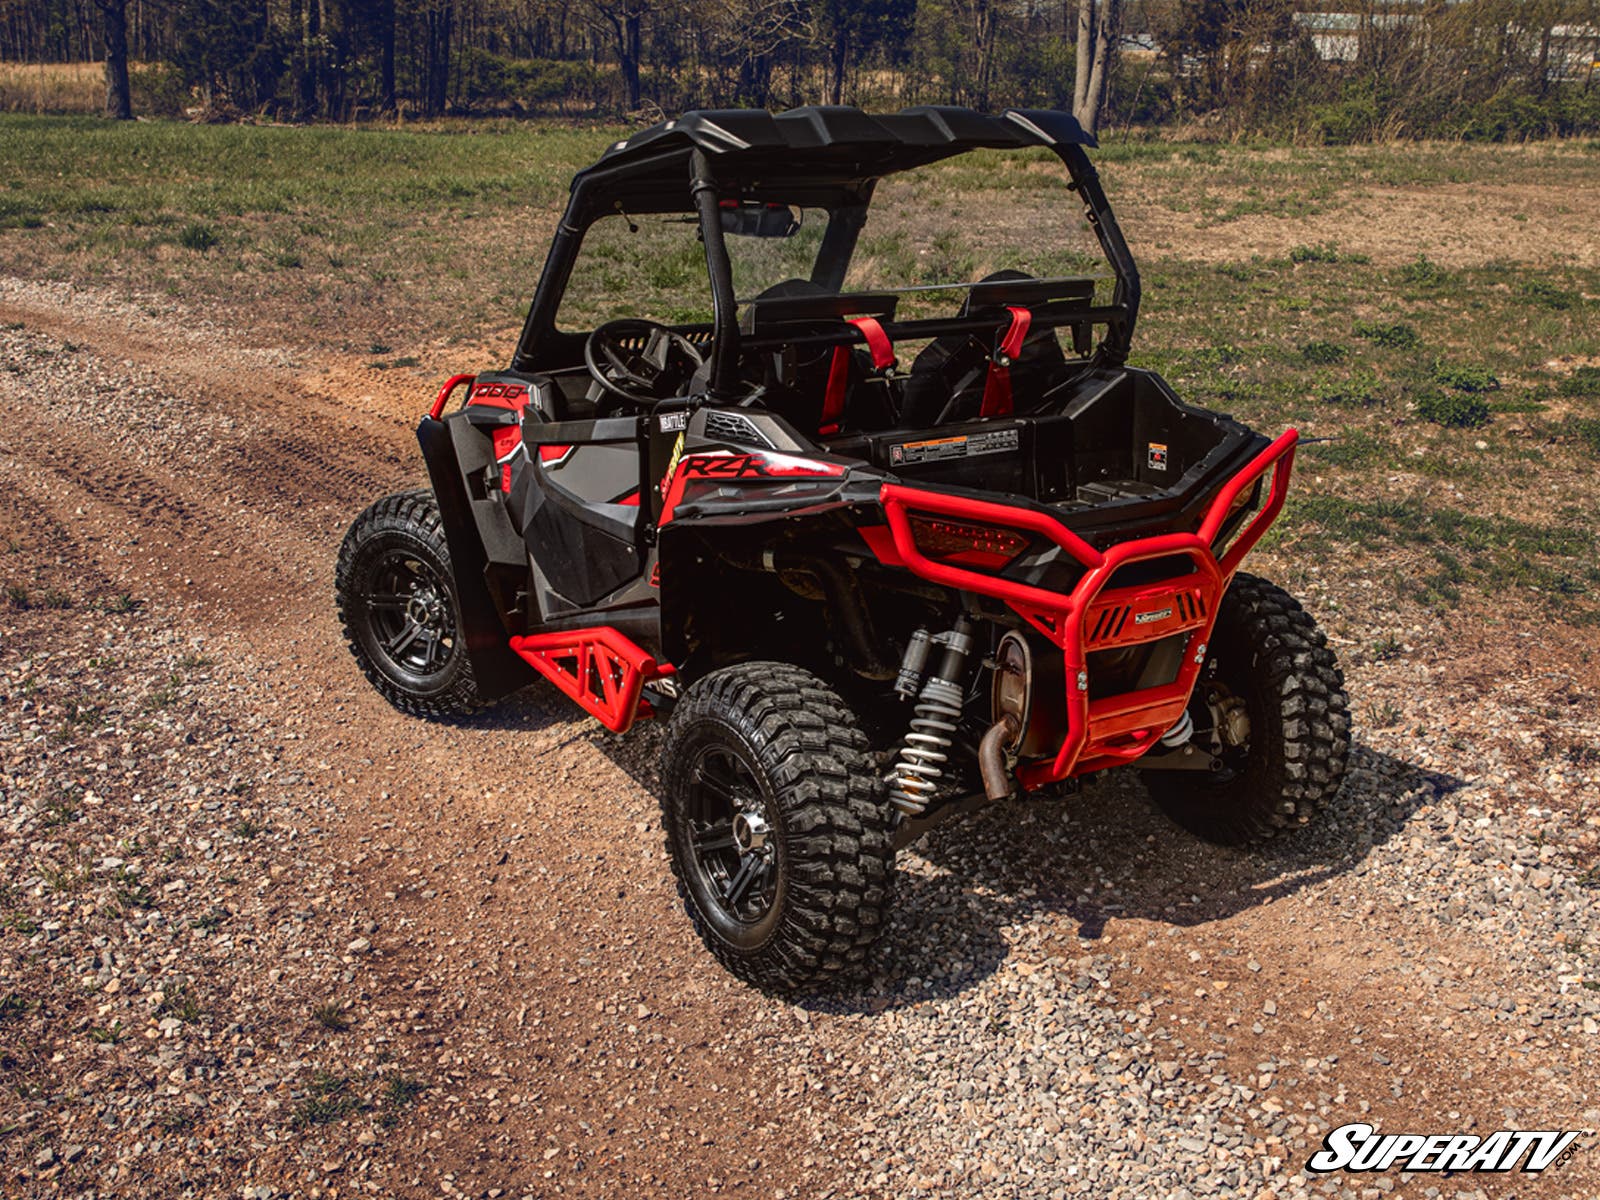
(733, 845)
(411, 615)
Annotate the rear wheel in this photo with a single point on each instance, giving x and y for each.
(1270, 705)
(777, 828)
(397, 604)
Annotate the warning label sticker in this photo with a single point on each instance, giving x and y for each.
(996, 441)
(1158, 456)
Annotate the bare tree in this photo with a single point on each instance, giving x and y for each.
(1099, 27)
(119, 98)
(625, 18)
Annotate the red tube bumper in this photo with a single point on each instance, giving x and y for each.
(1115, 729)
(450, 385)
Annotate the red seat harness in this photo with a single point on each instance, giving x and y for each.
(882, 351)
(997, 387)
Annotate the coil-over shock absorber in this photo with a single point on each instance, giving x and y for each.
(917, 774)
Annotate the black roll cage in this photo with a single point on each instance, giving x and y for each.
(689, 165)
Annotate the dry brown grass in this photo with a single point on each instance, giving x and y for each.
(52, 87)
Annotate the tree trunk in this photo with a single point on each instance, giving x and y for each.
(633, 37)
(983, 38)
(310, 60)
(1106, 30)
(386, 56)
(1083, 58)
(119, 100)
(838, 63)
(440, 20)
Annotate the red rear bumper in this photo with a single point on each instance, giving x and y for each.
(1115, 729)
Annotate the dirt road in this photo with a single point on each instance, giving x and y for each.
(1074, 998)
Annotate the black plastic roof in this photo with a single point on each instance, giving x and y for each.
(833, 142)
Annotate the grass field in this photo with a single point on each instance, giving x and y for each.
(1432, 311)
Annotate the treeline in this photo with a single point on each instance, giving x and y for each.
(1335, 71)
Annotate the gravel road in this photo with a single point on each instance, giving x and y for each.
(261, 936)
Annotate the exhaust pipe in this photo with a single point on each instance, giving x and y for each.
(997, 783)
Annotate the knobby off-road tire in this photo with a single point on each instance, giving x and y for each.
(397, 605)
(772, 747)
(1267, 651)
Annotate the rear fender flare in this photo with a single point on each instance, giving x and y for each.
(498, 670)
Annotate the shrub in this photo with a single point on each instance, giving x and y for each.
(1424, 272)
(1464, 379)
(1452, 411)
(1395, 336)
(1322, 353)
(1323, 253)
(1353, 119)
(158, 90)
(1361, 388)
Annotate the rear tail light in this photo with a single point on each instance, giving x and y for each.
(961, 544)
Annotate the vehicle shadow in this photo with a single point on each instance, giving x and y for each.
(1105, 853)
(1101, 854)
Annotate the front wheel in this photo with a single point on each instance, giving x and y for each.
(1271, 707)
(778, 831)
(397, 605)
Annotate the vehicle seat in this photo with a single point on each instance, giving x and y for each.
(797, 378)
(947, 379)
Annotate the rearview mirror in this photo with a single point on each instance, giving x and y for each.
(751, 218)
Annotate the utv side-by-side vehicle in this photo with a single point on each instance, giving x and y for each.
(880, 551)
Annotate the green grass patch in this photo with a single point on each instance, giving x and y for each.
(1451, 410)
(1423, 272)
(1585, 381)
(198, 237)
(1324, 252)
(1491, 554)
(329, 1098)
(1323, 353)
(1583, 430)
(1547, 295)
(1464, 378)
(1392, 335)
(396, 1094)
(176, 1001)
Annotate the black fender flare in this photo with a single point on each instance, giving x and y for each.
(497, 669)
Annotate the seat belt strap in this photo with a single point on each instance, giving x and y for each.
(882, 351)
(997, 387)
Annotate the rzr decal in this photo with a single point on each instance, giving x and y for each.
(722, 464)
(513, 396)
(725, 466)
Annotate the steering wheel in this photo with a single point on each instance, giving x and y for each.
(640, 361)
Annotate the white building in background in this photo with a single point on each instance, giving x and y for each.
(1573, 55)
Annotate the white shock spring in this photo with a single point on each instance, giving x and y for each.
(916, 775)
